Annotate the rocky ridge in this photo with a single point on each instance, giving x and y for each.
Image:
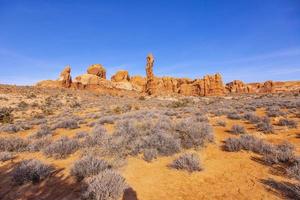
(209, 85)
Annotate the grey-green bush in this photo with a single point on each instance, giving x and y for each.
(188, 161)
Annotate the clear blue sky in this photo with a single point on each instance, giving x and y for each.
(251, 40)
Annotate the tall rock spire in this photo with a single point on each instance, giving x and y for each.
(149, 73)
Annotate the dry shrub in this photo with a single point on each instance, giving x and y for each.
(42, 132)
(6, 115)
(288, 123)
(5, 156)
(265, 126)
(107, 185)
(164, 144)
(88, 166)
(40, 144)
(189, 162)
(294, 169)
(61, 148)
(237, 129)
(221, 123)
(66, 123)
(193, 134)
(13, 144)
(233, 115)
(272, 154)
(31, 171)
(150, 154)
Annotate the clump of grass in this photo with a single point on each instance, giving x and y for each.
(189, 162)
(31, 171)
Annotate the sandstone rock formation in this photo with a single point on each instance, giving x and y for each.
(238, 86)
(65, 77)
(120, 76)
(150, 85)
(209, 85)
(138, 83)
(87, 79)
(98, 70)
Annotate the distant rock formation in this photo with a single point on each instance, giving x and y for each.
(238, 86)
(65, 78)
(150, 84)
(209, 85)
(98, 70)
(121, 76)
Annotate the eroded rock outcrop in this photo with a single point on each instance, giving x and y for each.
(138, 83)
(65, 78)
(209, 85)
(121, 76)
(98, 70)
(238, 86)
(150, 84)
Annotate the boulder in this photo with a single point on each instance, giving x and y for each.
(87, 79)
(97, 70)
(120, 76)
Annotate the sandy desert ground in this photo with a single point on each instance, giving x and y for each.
(131, 142)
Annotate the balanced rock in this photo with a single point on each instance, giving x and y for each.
(120, 76)
(65, 78)
(98, 70)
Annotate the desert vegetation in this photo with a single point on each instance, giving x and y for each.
(108, 145)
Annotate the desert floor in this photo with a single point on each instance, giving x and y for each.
(225, 175)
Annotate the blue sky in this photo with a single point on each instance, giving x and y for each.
(251, 40)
